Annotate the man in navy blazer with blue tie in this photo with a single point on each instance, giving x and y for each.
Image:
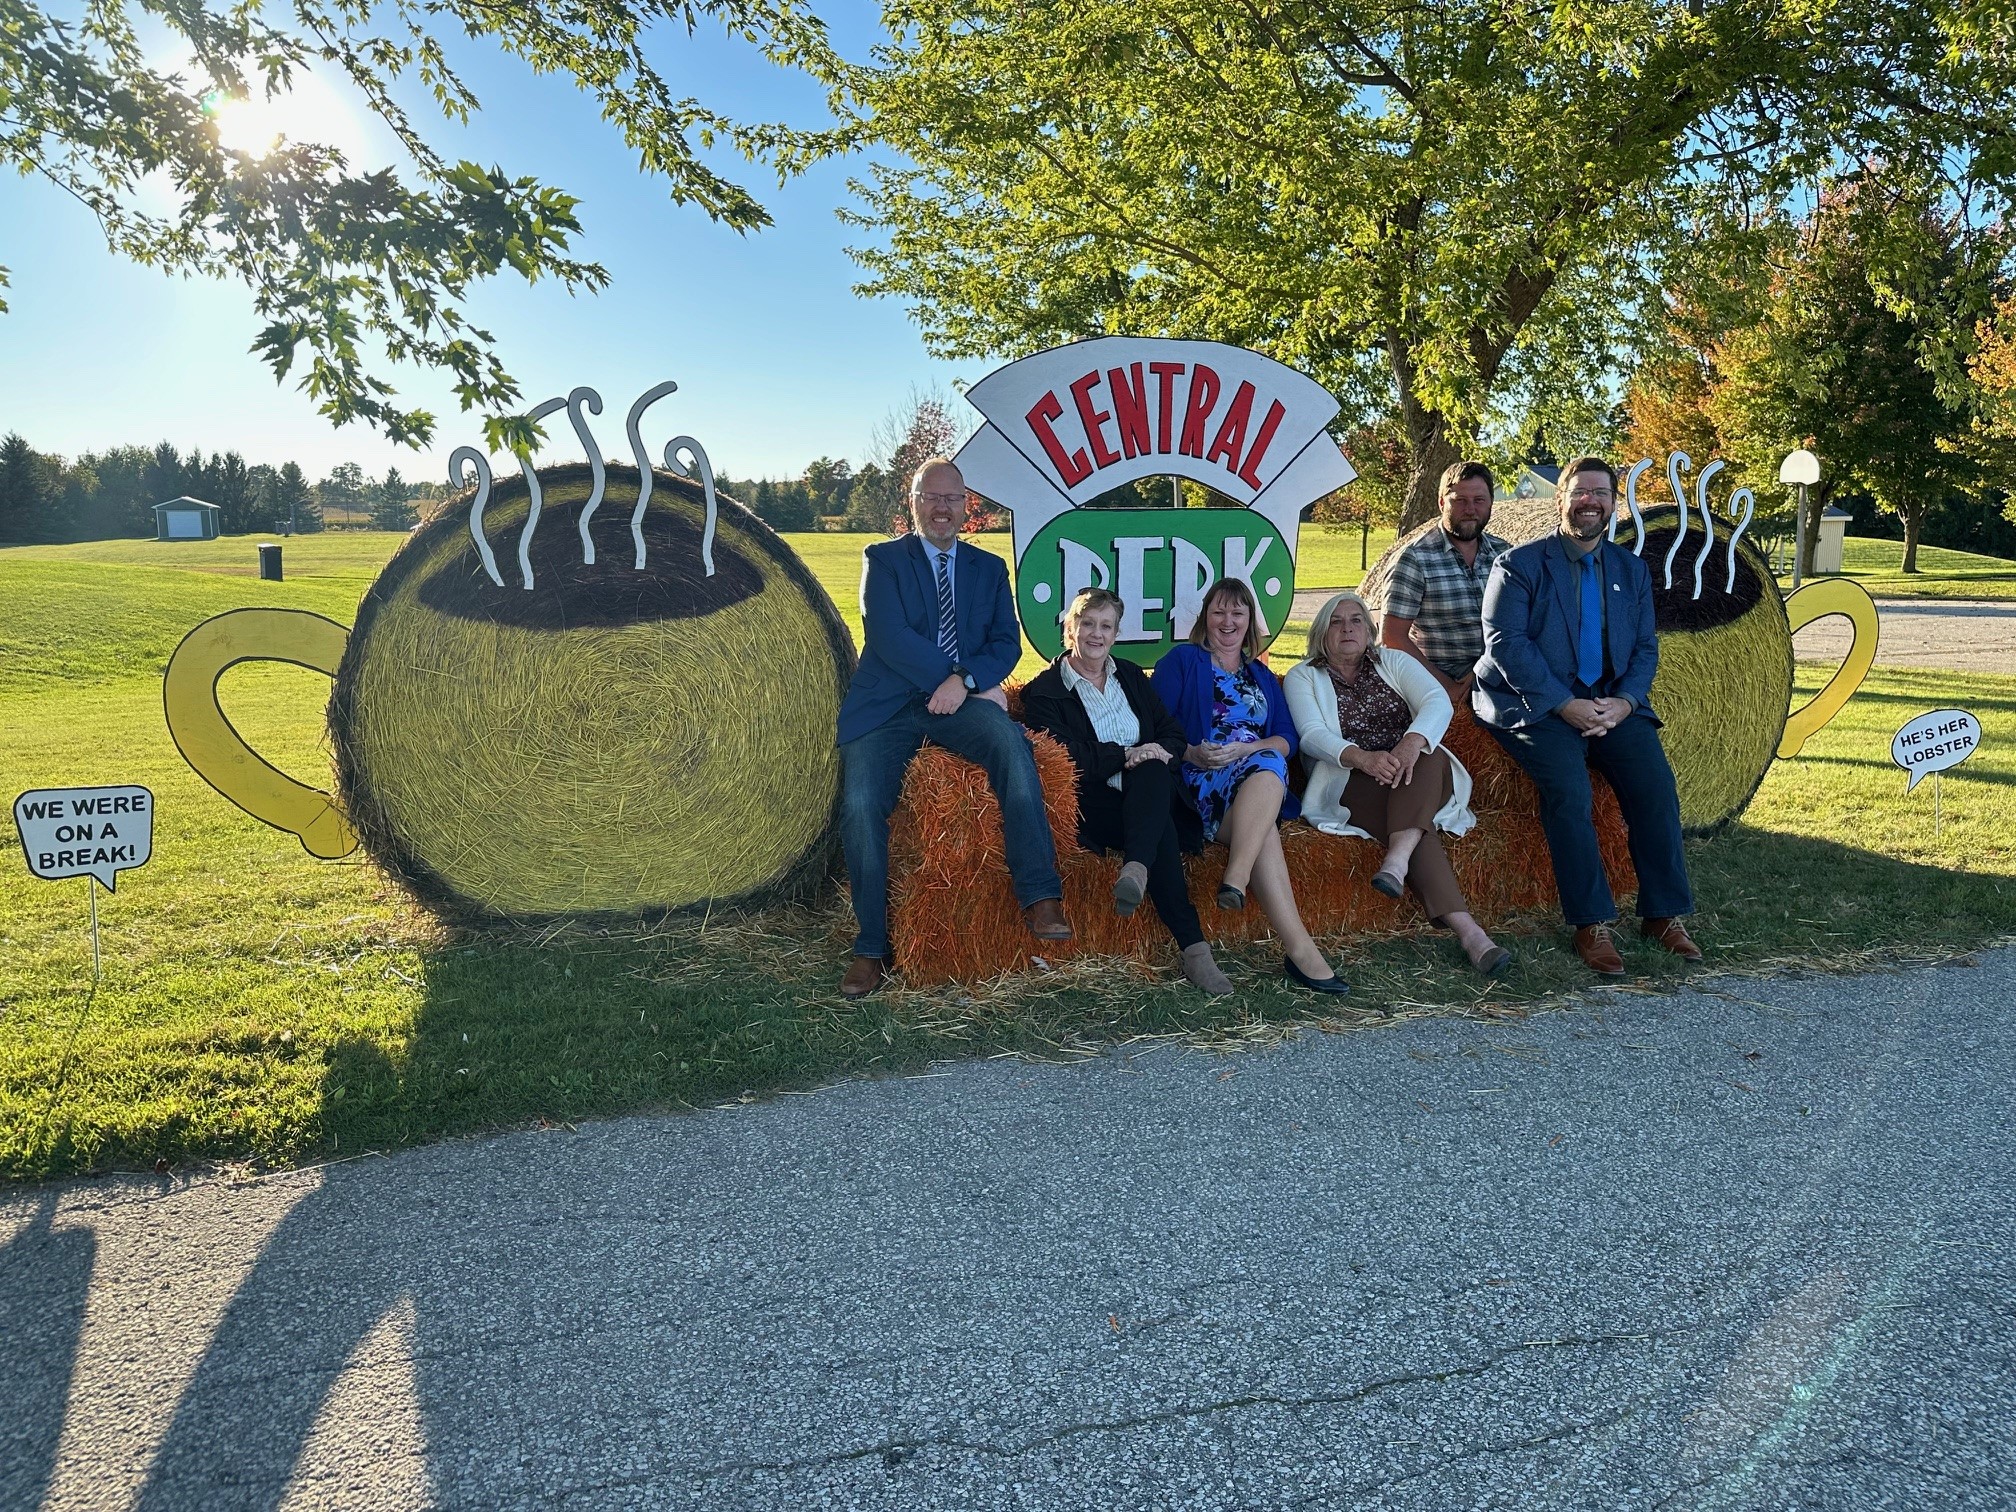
(1565, 684)
(939, 634)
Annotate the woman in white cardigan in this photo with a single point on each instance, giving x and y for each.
(1371, 727)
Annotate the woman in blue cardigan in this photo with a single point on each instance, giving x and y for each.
(1235, 768)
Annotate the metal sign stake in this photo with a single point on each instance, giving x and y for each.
(91, 886)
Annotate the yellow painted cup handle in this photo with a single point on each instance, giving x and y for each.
(1816, 601)
(218, 753)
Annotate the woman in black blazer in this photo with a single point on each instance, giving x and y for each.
(1126, 747)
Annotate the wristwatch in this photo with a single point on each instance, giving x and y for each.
(959, 671)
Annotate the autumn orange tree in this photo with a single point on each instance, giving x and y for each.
(1854, 338)
(1666, 401)
(1993, 371)
(1863, 347)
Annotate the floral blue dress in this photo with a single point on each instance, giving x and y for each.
(1238, 717)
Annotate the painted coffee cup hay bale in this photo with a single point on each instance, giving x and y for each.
(584, 690)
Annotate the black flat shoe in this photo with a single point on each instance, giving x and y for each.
(1494, 962)
(1231, 899)
(1385, 882)
(1334, 985)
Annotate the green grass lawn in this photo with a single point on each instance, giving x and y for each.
(1877, 566)
(355, 555)
(259, 1005)
(1327, 556)
(109, 609)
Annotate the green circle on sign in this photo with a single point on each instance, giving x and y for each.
(1160, 562)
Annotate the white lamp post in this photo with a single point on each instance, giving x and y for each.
(1801, 469)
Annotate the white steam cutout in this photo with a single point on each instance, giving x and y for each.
(1678, 462)
(684, 457)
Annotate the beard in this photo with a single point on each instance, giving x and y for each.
(1588, 531)
(1463, 530)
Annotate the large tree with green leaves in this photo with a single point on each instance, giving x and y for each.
(1862, 347)
(353, 266)
(1454, 206)
(343, 492)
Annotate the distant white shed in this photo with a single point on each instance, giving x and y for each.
(1831, 548)
(186, 519)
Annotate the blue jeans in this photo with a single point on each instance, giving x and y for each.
(1558, 758)
(872, 768)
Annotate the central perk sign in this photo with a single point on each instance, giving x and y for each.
(1067, 425)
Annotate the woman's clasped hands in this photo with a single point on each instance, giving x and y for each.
(1212, 754)
(1388, 768)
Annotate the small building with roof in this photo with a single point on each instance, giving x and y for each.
(1535, 480)
(187, 519)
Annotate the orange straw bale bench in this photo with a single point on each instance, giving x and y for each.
(953, 916)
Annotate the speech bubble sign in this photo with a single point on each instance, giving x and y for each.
(86, 832)
(1935, 741)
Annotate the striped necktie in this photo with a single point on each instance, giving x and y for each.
(948, 624)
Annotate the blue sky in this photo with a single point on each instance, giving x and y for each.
(777, 360)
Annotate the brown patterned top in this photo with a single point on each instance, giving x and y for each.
(1369, 712)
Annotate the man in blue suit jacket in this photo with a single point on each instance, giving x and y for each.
(1565, 684)
(939, 635)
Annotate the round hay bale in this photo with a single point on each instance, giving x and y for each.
(611, 742)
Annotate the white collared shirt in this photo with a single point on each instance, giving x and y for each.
(1113, 718)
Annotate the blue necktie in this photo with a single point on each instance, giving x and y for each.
(1589, 643)
(948, 624)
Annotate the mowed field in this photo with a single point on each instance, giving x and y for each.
(258, 1005)
(1878, 566)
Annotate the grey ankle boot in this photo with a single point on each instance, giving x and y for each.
(1202, 972)
(1130, 888)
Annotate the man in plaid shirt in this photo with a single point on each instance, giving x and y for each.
(1435, 595)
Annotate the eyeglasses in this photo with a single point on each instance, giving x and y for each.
(942, 498)
(1596, 495)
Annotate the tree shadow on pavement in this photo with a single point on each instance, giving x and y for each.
(45, 1274)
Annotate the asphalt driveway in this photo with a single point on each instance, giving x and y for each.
(1747, 1245)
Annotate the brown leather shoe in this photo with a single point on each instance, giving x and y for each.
(1671, 934)
(865, 975)
(1046, 919)
(1598, 949)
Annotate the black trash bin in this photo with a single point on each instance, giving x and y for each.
(269, 563)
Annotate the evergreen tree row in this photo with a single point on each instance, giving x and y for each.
(110, 494)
